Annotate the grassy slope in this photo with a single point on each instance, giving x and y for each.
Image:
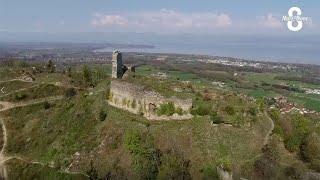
(255, 79)
(72, 126)
(7, 73)
(41, 91)
(10, 86)
(17, 169)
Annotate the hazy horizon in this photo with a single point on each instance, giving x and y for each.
(247, 29)
(290, 48)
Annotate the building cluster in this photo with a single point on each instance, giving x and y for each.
(312, 91)
(220, 84)
(243, 63)
(287, 107)
(160, 75)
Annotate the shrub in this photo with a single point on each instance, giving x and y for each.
(173, 166)
(146, 158)
(214, 118)
(108, 94)
(102, 115)
(20, 96)
(50, 66)
(229, 110)
(92, 172)
(179, 111)
(274, 114)
(206, 97)
(310, 147)
(267, 166)
(210, 172)
(201, 110)
(166, 109)
(134, 104)
(252, 111)
(294, 172)
(300, 130)
(46, 105)
(87, 75)
(70, 92)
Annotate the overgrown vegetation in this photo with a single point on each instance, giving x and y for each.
(115, 144)
(167, 109)
(300, 134)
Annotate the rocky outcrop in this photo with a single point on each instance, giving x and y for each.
(136, 99)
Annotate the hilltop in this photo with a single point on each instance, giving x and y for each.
(63, 123)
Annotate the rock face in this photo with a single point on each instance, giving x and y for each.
(136, 99)
(223, 174)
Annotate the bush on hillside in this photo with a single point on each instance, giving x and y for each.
(20, 96)
(146, 158)
(215, 118)
(70, 92)
(167, 109)
(267, 166)
(201, 109)
(229, 110)
(46, 105)
(310, 150)
(252, 111)
(102, 115)
(174, 166)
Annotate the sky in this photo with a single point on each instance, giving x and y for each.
(155, 16)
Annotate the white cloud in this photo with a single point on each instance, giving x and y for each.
(270, 21)
(164, 20)
(109, 20)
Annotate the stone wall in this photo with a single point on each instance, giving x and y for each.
(136, 99)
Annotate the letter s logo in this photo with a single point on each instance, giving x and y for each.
(290, 23)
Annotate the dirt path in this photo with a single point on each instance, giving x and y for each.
(11, 80)
(268, 135)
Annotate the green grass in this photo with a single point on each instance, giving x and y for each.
(260, 93)
(255, 89)
(7, 73)
(74, 126)
(40, 91)
(164, 87)
(52, 78)
(11, 86)
(22, 170)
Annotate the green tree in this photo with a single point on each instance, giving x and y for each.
(87, 75)
(69, 72)
(50, 66)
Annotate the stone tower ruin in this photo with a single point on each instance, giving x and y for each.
(117, 66)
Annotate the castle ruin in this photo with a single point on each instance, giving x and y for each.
(136, 99)
(118, 68)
